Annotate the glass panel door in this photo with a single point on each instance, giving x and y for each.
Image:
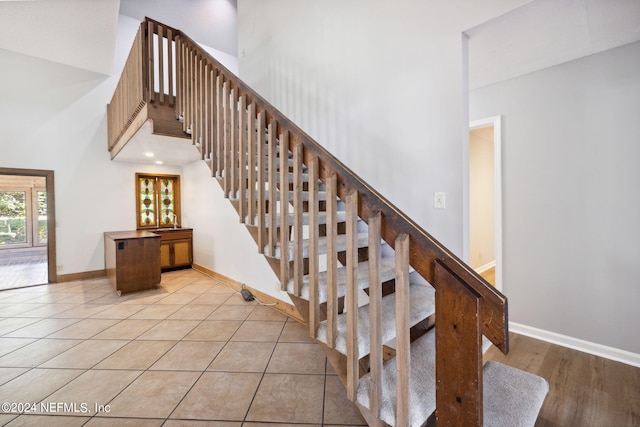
(40, 218)
(13, 219)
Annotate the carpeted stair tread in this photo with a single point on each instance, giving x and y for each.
(512, 397)
(422, 305)
(387, 272)
(322, 218)
(341, 245)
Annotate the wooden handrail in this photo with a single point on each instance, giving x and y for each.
(238, 133)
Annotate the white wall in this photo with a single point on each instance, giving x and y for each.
(571, 196)
(53, 117)
(220, 242)
(378, 83)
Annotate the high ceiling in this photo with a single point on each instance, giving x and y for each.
(545, 33)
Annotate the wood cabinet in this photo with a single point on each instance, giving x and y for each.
(132, 260)
(176, 247)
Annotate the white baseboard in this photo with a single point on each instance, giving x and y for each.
(485, 267)
(600, 350)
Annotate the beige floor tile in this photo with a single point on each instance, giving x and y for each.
(82, 311)
(18, 309)
(136, 355)
(243, 357)
(124, 422)
(194, 288)
(127, 329)
(295, 332)
(84, 329)
(211, 298)
(176, 298)
(214, 330)
(112, 298)
(153, 394)
(288, 398)
(13, 324)
(85, 355)
(258, 424)
(194, 312)
(258, 331)
(219, 396)
(35, 385)
(231, 312)
(188, 356)
(5, 418)
(169, 330)
(147, 297)
(7, 374)
(219, 288)
(36, 353)
(42, 328)
(190, 423)
(157, 311)
(47, 421)
(7, 345)
(82, 297)
(263, 312)
(337, 408)
(120, 311)
(95, 388)
(297, 358)
(48, 310)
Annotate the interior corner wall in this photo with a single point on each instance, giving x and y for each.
(221, 243)
(53, 117)
(570, 196)
(378, 83)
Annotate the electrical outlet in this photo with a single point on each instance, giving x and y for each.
(60, 267)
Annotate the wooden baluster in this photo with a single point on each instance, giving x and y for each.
(284, 209)
(251, 163)
(226, 118)
(192, 91)
(242, 158)
(161, 64)
(353, 356)
(212, 120)
(186, 124)
(179, 77)
(262, 174)
(199, 103)
(314, 232)
(150, 67)
(219, 125)
(273, 199)
(207, 113)
(170, 45)
(195, 124)
(332, 260)
(298, 262)
(458, 350)
(403, 342)
(375, 313)
(233, 152)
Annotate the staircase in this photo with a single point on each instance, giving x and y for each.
(402, 320)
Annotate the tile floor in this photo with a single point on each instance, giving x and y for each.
(191, 353)
(23, 267)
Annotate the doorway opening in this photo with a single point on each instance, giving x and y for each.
(27, 228)
(485, 199)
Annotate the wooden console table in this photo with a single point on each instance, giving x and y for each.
(132, 260)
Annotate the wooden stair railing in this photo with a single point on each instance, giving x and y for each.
(298, 200)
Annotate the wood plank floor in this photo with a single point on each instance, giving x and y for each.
(584, 390)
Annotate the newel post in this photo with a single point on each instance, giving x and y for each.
(458, 351)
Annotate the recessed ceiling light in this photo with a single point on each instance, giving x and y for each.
(148, 154)
(159, 162)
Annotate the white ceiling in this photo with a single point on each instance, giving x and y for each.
(545, 33)
(72, 32)
(538, 35)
